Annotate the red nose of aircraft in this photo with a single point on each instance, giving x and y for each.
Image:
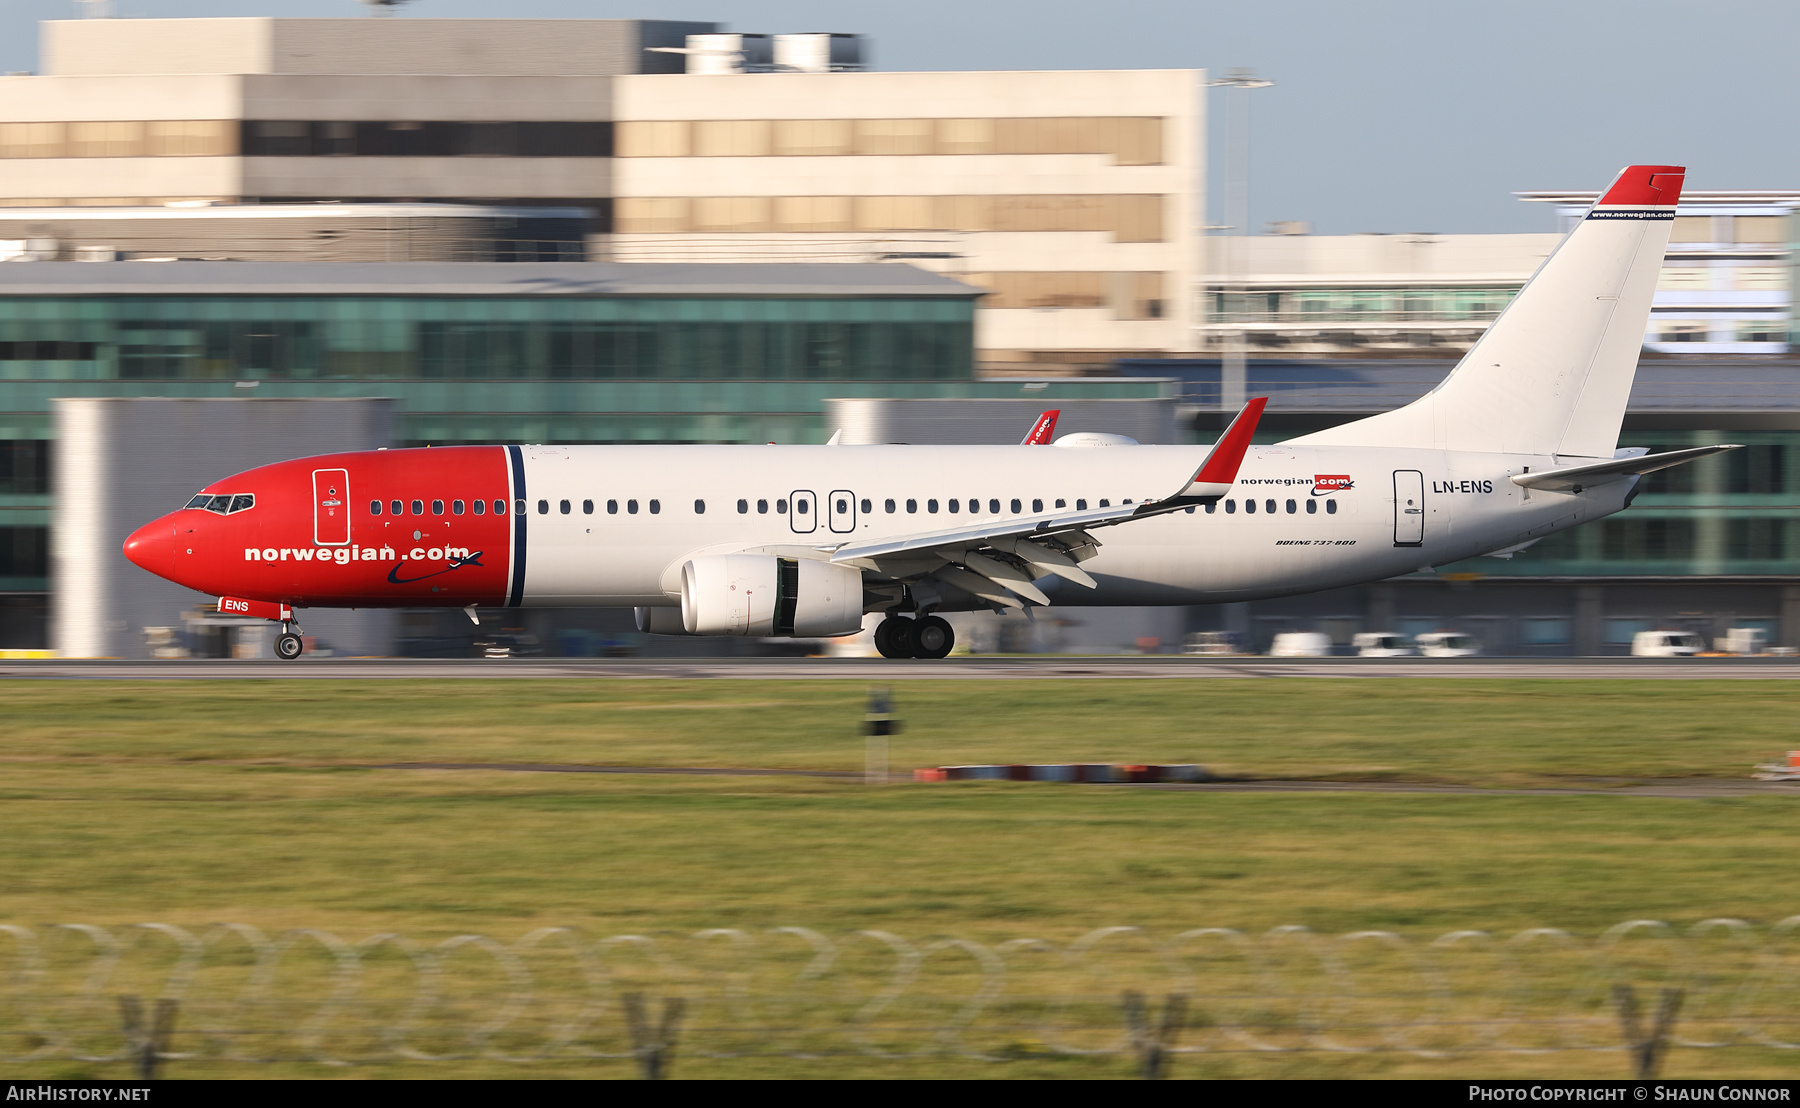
(152, 547)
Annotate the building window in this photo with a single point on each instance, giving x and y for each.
(1543, 631)
(1647, 540)
(1756, 540)
(1760, 468)
(24, 551)
(284, 138)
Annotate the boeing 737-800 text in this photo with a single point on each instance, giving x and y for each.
(1520, 441)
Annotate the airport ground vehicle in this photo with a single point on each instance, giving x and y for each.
(1447, 644)
(1382, 644)
(1743, 640)
(1666, 644)
(1520, 441)
(1301, 644)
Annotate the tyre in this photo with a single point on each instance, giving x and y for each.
(288, 647)
(900, 637)
(892, 636)
(932, 637)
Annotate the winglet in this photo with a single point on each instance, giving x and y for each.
(1219, 471)
(1040, 432)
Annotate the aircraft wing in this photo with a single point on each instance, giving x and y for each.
(1575, 478)
(998, 559)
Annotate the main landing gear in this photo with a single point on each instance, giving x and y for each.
(287, 644)
(929, 637)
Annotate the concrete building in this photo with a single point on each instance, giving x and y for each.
(1072, 196)
(1726, 288)
(1727, 285)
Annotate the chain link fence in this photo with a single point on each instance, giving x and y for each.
(152, 993)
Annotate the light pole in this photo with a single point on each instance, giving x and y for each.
(1232, 384)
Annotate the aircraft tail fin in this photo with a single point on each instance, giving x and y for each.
(1554, 372)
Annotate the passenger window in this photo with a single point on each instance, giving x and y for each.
(743, 507)
(374, 507)
(931, 507)
(1292, 507)
(437, 507)
(564, 506)
(500, 508)
(802, 506)
(655, 507)
(1081, 505)
(518, 507)
(955, 506)
(587, 507)
(1331, 507)
(631, 507)
(762, 507)
(242, 501)
(781, 507)
(889, 506)
(418, 507)
(1312, 507)
(543, 507)
(1210, 505)
(612, 507)
(699, 507)
(1036, 506)
(1061, 503)
(1250, 507)
(456, 507)
(1105, 503)
(480, 507)
(397, 508)
(843, 506)
(1230, 507)
(1269, 506)
(1017, 507)
(912, 507)
(1127, 500)
(994, 507)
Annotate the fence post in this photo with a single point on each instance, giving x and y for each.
(146, 1044)
(1647, 1049)
(655, 1053)
(1152, 1044)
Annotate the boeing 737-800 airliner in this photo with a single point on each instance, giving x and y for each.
(1520, 441)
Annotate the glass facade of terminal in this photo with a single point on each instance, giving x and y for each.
(303, 338)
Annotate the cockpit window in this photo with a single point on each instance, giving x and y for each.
(223, 503)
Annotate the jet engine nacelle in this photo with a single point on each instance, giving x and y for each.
(761, 595)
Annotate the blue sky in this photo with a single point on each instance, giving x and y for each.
(1387, 115)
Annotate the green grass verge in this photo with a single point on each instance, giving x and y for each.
(191, 803)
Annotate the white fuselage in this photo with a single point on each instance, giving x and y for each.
(793, 496)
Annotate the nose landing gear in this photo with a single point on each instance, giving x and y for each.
(287, 644)
(929, 637)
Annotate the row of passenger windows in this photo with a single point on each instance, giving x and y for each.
(1269, 506)
(800, 505)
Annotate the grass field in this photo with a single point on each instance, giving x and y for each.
(250, 801)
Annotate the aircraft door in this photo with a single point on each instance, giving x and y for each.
(331, 507)
(841, 511)
(1409, 507)
(803, 515)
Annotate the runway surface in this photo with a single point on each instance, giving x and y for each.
(1039, 667)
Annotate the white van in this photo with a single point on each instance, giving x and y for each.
(1666, 644)
(1301, 644)
(1447, 644)
(1382, 644)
